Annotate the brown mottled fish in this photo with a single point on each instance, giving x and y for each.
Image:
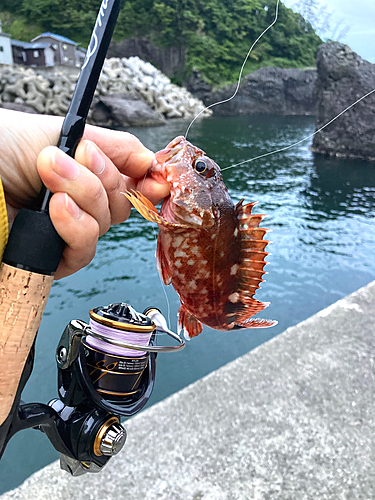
(211, 250)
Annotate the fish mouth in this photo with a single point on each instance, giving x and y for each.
(172, 154)
(178, 151)
(172, 151)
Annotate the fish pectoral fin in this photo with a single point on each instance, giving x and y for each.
(255, 323)
(189, 323)
(147, 209)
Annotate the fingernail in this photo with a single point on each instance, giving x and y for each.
(72, 208)
(64, 166)
(97, 163)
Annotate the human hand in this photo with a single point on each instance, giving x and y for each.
(88, 189)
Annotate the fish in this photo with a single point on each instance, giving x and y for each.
(211, 250)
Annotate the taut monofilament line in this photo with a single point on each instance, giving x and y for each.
(305, 138)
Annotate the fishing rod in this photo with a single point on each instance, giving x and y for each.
(34, 248)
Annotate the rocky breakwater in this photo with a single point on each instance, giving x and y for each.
(343, 77)
(130, 92)
(270, 91)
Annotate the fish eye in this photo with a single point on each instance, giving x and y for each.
(200, 166)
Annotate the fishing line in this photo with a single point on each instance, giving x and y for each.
(240, 75)
(301, 140)
(130, 337)
(161, 282)
(163, 286)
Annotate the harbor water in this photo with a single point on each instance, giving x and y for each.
(321, 212)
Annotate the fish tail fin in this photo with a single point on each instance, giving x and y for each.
(255, 323)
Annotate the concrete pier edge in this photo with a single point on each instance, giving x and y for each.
(292, 419)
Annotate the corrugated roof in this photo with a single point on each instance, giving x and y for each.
(28, 45)
(57, 37)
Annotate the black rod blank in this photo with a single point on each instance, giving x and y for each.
(75, 120)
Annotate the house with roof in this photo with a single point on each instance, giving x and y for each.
(32, 54)
(64, 49)
(47, 49)
(5, 48)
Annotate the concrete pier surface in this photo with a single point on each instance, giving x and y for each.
(293, 420)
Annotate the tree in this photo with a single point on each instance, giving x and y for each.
(216, 34)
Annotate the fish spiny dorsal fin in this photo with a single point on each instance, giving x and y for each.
(238, 206)
(251, 265)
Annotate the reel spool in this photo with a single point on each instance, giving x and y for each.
(118, 345)
(112, 360)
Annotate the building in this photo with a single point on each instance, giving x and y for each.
(64, 50)
(5, 48)
(47, 49)
(32, 54)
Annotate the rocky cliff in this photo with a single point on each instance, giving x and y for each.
(266, 91)
(271, 91)
(343, 77)
(170, 60)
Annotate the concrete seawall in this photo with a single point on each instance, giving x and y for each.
(293, 419)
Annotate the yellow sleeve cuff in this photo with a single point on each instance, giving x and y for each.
(4, 228)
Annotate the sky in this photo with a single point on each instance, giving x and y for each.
(359, 15)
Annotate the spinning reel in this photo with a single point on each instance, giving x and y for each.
(106, 370)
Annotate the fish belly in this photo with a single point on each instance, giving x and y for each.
(203, 268)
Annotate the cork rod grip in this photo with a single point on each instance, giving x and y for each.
(23, 296)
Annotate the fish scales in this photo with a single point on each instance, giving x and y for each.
(211, 250)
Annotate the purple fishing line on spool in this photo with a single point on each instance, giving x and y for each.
(138, 338)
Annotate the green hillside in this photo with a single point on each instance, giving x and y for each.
(216, 33)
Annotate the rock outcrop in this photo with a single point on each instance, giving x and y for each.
(343, 77)
(125, 110)
(129, 92)
(271, 91)
(170, 60)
